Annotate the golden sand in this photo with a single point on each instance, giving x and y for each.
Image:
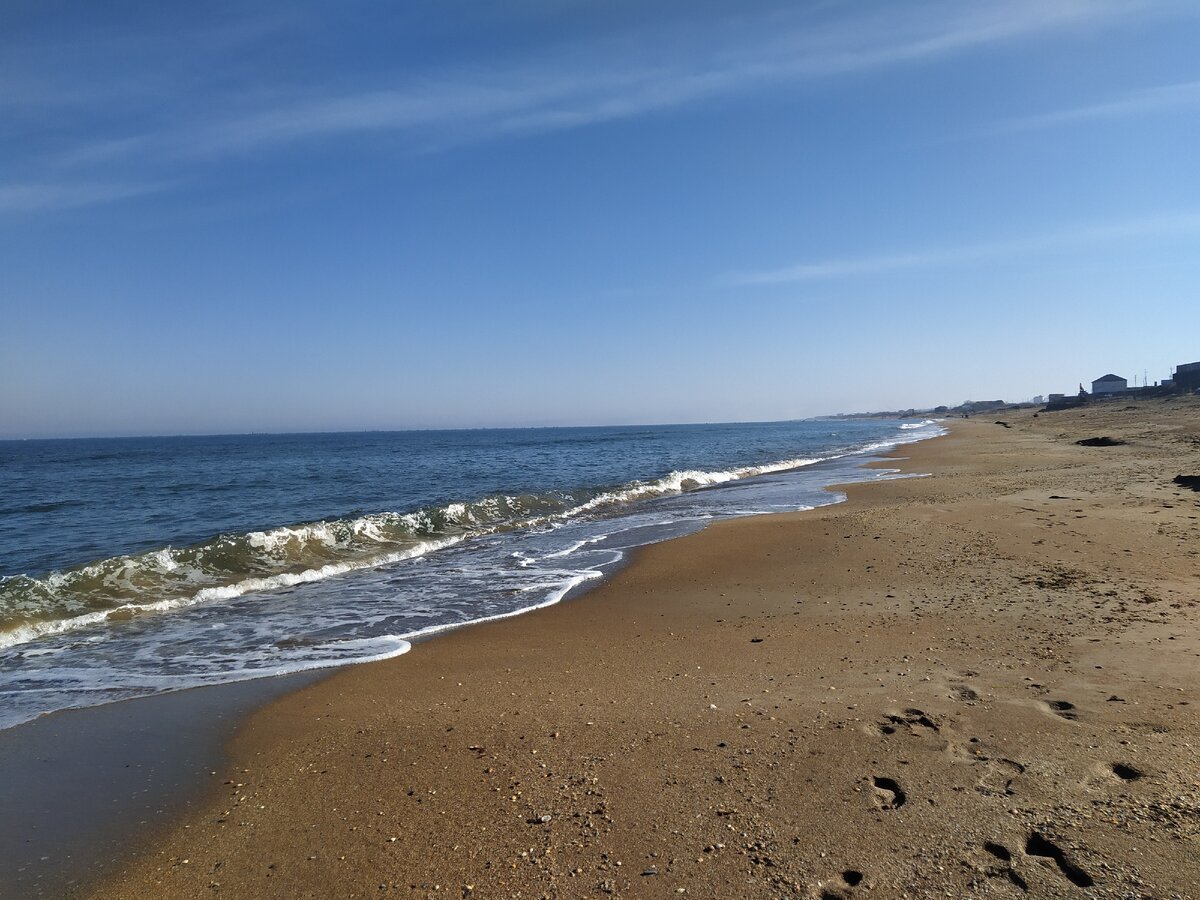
(980, 683)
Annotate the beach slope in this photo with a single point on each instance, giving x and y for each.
(981, 682)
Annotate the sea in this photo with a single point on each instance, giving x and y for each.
(137, 566)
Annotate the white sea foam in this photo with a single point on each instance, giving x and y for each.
(680, 481)
(575, 547)
(391, 645)
(456, 512)
(555, 596)
(189, 576)
(327, 533)
(33, 630)
(344, 652)
(890, 443)
(538, 549)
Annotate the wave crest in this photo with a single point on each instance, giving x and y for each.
(231, 565)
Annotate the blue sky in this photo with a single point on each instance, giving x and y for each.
(314, 216)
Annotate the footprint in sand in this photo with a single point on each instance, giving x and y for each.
(1040, 846)
(963, 693)
(1003, 866)
(1063, 709)
(997, 850)
(839, 888)
(998, 776)
(912, 721)
(999, 772)
(1127, 773)
(888, 793)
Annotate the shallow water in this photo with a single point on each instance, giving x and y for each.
(138, 566)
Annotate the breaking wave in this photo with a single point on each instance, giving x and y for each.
(260, 562)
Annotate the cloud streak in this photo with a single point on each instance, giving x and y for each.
(589, 85)
(1162, 225)
(35, 197)
(616, 79)
(585, 84)
(1134, 103)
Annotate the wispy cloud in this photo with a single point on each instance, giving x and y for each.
(608, 80)
(28, 198)
(196, 119)
(1132, 103)
(1162, 225)
(614, 80)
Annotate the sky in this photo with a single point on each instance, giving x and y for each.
(304, 216)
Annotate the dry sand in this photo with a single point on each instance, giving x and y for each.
(981, 683)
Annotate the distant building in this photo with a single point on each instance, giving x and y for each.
(1187, 376)
(1037, 399)
(1063, 401)
(1110, 384)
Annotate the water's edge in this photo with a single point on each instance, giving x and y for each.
(99, 780)
(361, 586)
(106, 778)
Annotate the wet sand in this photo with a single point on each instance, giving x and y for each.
(81, 785)
(978, 683)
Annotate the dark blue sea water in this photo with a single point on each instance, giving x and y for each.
(135, 566)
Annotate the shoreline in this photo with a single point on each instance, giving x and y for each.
(95, 779)
(322, 621)
(133, 779)
(950, 684)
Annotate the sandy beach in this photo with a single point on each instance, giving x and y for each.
(977, 683)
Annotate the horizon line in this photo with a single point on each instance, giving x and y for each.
(421, 429)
